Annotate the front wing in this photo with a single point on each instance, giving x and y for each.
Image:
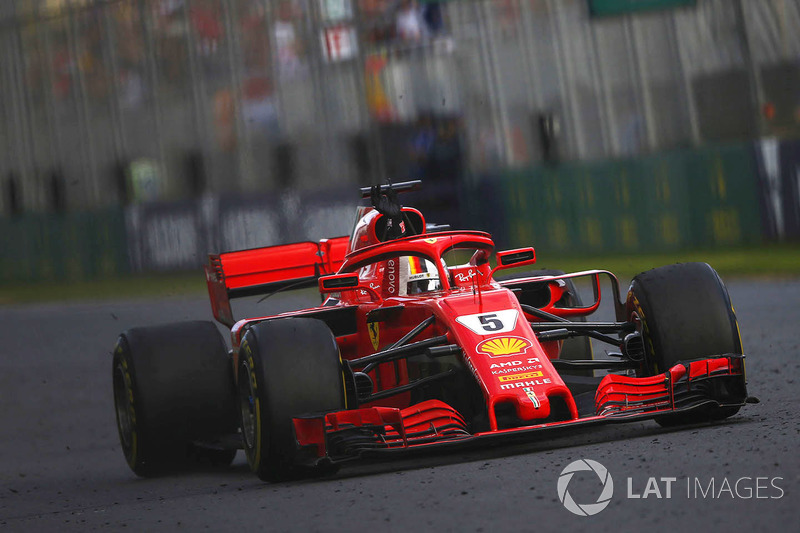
(713, 384)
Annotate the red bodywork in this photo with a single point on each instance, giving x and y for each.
(481, 318)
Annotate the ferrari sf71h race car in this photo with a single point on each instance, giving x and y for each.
(418, 344)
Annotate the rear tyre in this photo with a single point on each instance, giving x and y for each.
(287, 367)
(172, 389)
(684, 313)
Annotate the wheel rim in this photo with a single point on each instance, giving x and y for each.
(247, 407)
(123, 407)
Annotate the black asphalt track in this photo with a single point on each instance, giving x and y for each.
(61, 467)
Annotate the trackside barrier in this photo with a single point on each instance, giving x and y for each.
(164, 236)
(179, 235)
(716, 196)
(669, 201)
(70, 246)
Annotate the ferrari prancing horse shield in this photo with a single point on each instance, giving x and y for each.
(373, 328)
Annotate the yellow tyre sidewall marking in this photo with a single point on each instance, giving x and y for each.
(344, 384)
(637, 308)
(126, 373)
(741, 346)
(256, 402)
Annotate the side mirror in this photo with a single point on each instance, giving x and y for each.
(338, 282)
(515, 258)
(343, 282)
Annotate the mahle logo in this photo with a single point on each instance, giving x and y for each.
(585, 509)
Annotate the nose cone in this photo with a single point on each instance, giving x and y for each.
(507, 360)
(531, 406)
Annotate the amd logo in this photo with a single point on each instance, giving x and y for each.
(506, 364)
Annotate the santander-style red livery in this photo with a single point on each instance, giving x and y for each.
(422, 340)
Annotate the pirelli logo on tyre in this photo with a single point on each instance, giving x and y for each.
(516, 377)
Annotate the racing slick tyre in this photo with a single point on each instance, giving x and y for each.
(287, 368)
(172, 390)
(684, 313)
(576, 348)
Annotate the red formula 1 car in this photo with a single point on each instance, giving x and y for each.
(418, 344)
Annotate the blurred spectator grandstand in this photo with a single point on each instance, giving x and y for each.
(226, 96)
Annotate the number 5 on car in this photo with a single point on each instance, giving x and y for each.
(490, 323)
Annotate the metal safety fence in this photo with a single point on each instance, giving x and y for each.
(109, 102)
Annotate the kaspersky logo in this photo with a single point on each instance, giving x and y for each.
(605, 487)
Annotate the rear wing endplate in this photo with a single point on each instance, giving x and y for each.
(269, 269)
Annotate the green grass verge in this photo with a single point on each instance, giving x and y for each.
(761, 261)
(133, 286)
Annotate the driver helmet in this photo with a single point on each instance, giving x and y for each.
(422, 276)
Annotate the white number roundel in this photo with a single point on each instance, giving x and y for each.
(491, 322)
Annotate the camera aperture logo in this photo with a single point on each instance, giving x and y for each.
(711, 488)
(585, 509)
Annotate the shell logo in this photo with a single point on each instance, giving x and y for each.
(503, 346)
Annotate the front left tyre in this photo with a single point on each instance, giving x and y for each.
(172, 392)
(684, 313)
(287, 368)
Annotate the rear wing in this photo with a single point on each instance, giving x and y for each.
(270, 269)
